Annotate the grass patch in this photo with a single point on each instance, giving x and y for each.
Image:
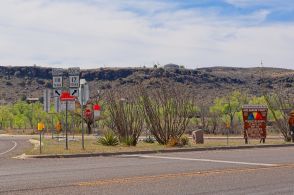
(53, 146)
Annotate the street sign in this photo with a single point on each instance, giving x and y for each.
(71, 105)
(57, 82)
(84, 93)
(58, 127)
(41, 126)
(74, 92)
(74, 71)
(46, 101)
(57, 71)
(57, 104)
(57, 92)
(96, 109)
(88, 113)
(74, 81)
(65, 96)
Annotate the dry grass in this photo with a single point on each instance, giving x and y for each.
(53, 146)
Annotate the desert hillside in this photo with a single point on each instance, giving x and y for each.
(205, 83)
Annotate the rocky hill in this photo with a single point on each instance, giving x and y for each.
(205, 83)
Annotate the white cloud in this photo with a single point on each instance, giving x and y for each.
(98, 33)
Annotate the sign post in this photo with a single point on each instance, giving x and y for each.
(83, 97)
(65, 96)
(41, 127)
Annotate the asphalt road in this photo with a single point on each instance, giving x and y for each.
(246, 171)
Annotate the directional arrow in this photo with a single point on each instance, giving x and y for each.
(57, 92)
(74, 92)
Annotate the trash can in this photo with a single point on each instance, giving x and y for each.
(198, 136)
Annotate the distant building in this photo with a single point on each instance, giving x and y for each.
(171, 66)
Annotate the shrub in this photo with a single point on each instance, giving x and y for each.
(129, 141)
(108, 139)
(184, 140)
(173, 142)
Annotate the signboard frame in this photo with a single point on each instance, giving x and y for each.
(255, 119)
(57, 82)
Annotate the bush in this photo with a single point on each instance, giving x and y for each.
(184, 140)
(129, 141)
(108, 139)
(173, 142)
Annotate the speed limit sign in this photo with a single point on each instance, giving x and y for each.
(74, 81)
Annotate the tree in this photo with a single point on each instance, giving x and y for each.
(230, 105)
(126, 116)
(280, 107)
(167, 112)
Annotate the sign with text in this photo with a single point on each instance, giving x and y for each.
(75, 71)
(71, 105)
(74, 81)
(57, 71)
(57, 82)
(255, 118)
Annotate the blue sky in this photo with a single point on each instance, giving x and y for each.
(129, 33)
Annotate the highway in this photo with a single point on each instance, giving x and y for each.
(246, 171)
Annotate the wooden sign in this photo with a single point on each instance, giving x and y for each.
(255, 118)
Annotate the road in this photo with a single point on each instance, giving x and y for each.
(246, 171)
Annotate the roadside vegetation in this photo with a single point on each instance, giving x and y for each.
(164, 115)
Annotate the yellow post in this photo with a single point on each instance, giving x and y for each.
(41, 127)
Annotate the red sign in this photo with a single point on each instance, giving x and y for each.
(65, 96)
(254, 117)
(96, 107)
(88, 113)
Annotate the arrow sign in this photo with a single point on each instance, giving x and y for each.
(74, 92)
(57, 92)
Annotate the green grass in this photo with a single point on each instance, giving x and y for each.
(52, 146)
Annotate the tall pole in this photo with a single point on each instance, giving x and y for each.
(66, 139)
(52, 125)
(82, 118)
(40, 142)
(33, 115)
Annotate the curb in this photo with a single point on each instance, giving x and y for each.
(156, 151)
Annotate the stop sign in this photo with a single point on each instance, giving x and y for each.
(88, 112)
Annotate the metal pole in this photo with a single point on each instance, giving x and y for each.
(40, 142)
(52, 125)
(66, 139)
(33, 115)
(82, 118)
(227, 136)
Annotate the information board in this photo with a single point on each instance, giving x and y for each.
(255, 118)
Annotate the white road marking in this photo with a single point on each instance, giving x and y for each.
(15, 144)
(202, 160)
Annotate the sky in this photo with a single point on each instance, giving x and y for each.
(136, 33)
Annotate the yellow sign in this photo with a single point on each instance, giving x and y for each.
(228, 124)
(41, 126)
(58, 126)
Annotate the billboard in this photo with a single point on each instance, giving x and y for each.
(255, 118)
